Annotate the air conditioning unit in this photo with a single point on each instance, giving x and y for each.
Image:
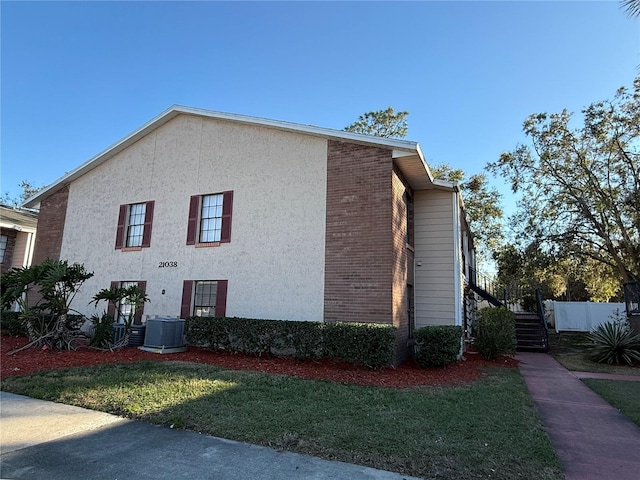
(164, 335)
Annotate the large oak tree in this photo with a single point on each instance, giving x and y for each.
(580, 185)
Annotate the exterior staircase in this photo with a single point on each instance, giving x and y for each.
(531, 333)
(531, 328)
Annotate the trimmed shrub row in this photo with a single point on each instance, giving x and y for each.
(495, 332)
(371, 345)
(437, 346)
(10, 323)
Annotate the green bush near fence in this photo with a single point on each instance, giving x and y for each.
(437, 346)
(371, 345)
(495, 332)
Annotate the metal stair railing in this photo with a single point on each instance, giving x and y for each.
(543, 321)
(487, 288)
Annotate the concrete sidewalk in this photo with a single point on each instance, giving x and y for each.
(607, 376)
(45, 440)
(592, 439)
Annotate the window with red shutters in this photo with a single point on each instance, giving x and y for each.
(209, 221)
(134, 225)
(204, 298)
(111, 308)
(137, 318)
(125, 307)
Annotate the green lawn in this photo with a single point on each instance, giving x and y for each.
(487, 429)
(571, 349)
(623, 395)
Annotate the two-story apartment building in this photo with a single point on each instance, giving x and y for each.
(229, 215)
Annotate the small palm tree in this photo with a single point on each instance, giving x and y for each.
(119, 296)
(47, 321)
(632, 7)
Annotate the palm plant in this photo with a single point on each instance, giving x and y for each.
(118, 297)
(615, 343)
(46, 319)
(632, 7)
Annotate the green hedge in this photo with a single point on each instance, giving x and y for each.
(10, 324)
(369, 344)
(495, 332)
(437, 346)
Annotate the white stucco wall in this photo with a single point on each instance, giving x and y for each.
(434, 288)
(275, 261)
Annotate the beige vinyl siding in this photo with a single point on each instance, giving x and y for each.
(22, 250)
(434, 256)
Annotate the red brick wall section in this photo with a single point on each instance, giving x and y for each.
(8, 252)
(365, 250)
(401, 270)
(51, 218)
(358, 254)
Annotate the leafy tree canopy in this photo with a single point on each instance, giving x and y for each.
(381, 123)
(28, 190)
(581, 186)
(482, 205)
(526, 268)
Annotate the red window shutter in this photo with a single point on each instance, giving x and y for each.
(137, 317)
(111, 308)
(192, 226)
(221, 298)
(122, 218)
(185, 307)
(148, 220)
(227, 208)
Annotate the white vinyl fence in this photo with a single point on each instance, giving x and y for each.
(580, 316)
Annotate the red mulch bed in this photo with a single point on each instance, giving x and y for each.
(406, 375)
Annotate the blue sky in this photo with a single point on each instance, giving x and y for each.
(78, 76)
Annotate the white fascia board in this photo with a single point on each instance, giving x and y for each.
(445, 184)
(101, 157)
(17, 228)
(175, 110)
(296, 127)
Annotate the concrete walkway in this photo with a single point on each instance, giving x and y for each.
(592, 439)
(607, 376)
(45, 440)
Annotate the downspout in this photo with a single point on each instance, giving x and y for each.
(457, 271)
(28, 254)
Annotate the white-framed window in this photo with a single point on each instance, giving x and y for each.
(210, 218)
(135, 224)
(126, 309)
(121, 312)
(204, 298)
(3, 247)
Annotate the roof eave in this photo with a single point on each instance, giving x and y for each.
(174, 111)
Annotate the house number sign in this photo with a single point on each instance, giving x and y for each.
(167, 264)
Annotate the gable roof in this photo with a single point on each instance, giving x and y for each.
(407, 155)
